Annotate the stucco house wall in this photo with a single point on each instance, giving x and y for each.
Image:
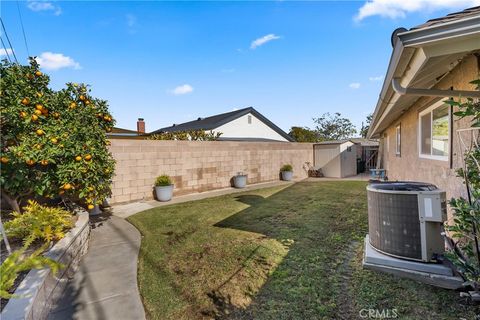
(243, 128)
(408, 165)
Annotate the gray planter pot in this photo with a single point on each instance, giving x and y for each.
(95, 211)
(240, 181)
(287, 175)
(164, 193)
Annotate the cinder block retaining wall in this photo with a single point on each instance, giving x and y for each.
(198, 166)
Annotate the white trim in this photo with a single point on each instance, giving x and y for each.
(398, 140)
(419, 135)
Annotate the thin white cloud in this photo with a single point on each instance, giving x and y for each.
(5, 52)
(131, 21)
(399, 8)
(44, 6)
(261, 41)
(183, 89)
(55, 61)
(354, 85)
(377, 78)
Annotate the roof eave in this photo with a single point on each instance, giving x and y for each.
(415, 40)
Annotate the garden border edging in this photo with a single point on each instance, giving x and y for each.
(40, 289)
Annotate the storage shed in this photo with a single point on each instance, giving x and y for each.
(336, 159)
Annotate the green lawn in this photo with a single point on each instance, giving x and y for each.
(278, 253)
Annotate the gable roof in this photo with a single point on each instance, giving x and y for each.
(421, 58)
(213, 122)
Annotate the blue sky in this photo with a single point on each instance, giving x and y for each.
(171, 62)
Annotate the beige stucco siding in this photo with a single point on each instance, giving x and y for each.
(409, 166)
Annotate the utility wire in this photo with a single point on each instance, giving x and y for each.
(8, 39)
(6, 52)
(23, 29)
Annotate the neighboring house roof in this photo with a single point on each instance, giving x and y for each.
(365, 142)
(422, 57)
(332, 142)
(121, 132)
(213, 122)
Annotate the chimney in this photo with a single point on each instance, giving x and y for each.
(140, 125)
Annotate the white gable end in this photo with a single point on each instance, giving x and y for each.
(248, 126)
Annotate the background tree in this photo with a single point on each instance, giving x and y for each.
(303, 134)
(52, 143)
(334, 127)
(364, 129)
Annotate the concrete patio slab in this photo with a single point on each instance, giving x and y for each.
(434, 274)
(126, 210)
(105, 286)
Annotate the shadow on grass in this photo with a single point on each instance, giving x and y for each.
(304, 284)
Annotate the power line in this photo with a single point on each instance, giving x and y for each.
(8, 39)
(6, 51)
(23, 29)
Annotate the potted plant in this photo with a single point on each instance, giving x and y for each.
(287, 172)
(163, 188)
(240, 180)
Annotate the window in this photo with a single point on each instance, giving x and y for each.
(249, 119)
(349, 149)
(398, 140)
(434, 132)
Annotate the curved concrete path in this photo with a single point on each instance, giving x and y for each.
(105, 285)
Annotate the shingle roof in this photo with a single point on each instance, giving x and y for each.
(450, 17)
(333, 142)
(365, 142)
(212, 122)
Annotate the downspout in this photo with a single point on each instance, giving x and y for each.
(397, 87)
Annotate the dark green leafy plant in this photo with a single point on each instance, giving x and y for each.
(465, 252)
(163, 180)
(286, 167)
(20, 261)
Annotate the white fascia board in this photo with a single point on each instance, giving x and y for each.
(415, 64)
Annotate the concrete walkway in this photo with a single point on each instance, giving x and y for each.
(105, 285)
(126, 210)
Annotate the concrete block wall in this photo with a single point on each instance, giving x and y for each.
(197, 166)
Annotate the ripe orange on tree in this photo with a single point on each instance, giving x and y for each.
(88, 157)
(4, 160)
(78, 158)
(27, 161)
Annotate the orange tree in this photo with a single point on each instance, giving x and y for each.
(53, 143)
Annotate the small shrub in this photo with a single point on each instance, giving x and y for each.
(163, 180)
(39, 222)
(193, 135)
(286, 167)
(18, 262)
